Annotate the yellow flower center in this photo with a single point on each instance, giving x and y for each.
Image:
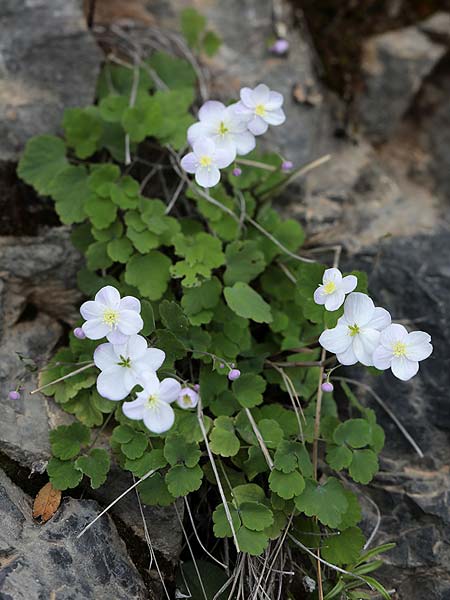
(260, 110)
(223, 129)
(111, 317)
(354, 329)
(186, 400)
(152, 401)
(399, 349)
(329, 287)
(205, 161)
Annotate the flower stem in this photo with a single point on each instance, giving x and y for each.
(88, 366)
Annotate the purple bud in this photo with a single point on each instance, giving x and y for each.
(221, 366)
(287, 165)
(237, 171)
(327, 386)
(13, 395)
(234, 374)
(196, 387)
(280, 47)
(79, 333)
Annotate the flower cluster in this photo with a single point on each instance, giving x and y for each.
(365, 333)
(224, 132)
(126, 361)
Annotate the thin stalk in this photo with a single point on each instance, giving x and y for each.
(80, 370)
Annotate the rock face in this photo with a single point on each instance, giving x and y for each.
(48, 561)
(411, 276)
(48, 62)
(394, 65)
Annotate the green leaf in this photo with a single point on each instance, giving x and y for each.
(149, 461)
(173, 317)
(148, 316)
(70, 191)
(135, 447)
(354, 432)
(345, 548)
(353, 514)
(179, 451)
(271, 432)
(192, 26)
(153, 491)
(249, 390)
(255, 516)
(112, 107)
(101, 211)
(63, 474)
(175, 72)
(83, 130)
(223, 440)
(66, 440)
(182, 480)
(122, 434)
(285, 458)
(120, 250)
(364, 466)
(139, 121)
(244, 262)
(327, 502)
(101, 178)
(253, 542)
(245, 302)
(84, 407)
(211, 43)
(201, 300)
(249, 492)
(43, 159)
(97, 256)
(95, 466)
(286, 485)
(202, 252)
(155, 263)
(222, 527)
(339, 457)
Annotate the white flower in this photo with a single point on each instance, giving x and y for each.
(224, 126)
(261, 107)
(124, 365)
(109, 315)
(152, 405)
(357, 332)
(401, 351)
(333, 289)
(205, 161)
(188, 398)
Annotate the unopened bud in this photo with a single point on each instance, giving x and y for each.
(14, 395)
(327, 386)
(79, 333)
(234, 374)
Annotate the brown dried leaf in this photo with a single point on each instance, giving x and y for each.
(46, 502)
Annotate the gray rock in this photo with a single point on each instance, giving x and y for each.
(394, 65)
(437, 26)
(48, 62)
(48, 561)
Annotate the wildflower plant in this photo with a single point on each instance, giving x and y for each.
(197, 352)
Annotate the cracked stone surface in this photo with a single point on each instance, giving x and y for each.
(48, 561)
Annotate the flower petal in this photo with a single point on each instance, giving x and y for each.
(111, 384)
(95, 329)
(136, 347)
(382, 358)
(207, 177)
(196, 131)
(169, 390)
(135, 410)
(247, 97)
(319, 295)
(364, 345)
(204, 147)
(348, 357)
(189, 162)
(130, 303)
(257, 126)
(212, 110)
(116, 337)
(336, 340)
(108, 296)
(333, 275)
(392, 334)
(105, 357)
(418, 345)
(224, 156)
(150, 383)
(91, 310)
(381, 319)
(159, 418)
(275, 117)
(130, 322)
(349, 283)
(403, 368)
(335, 300)
(358, 309)
(260, 94)
(245, 142)
(275, 101)
(154, 358)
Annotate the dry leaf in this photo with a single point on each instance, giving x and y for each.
(46, 502)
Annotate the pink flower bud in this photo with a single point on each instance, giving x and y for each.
(196, 387)
(327, 386)
(14, 395)
(79, 333)
(287, 165)
(234, 374)
(237, 171)
(280, 47)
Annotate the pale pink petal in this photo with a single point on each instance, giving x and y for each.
(95, 329)
(245, 142)
(364, 345)
(403, 368)
(348, 357)
(275, 101)
(349, 283)
(212, 110)
(159, 418)
(261, 94)
(275, 117)
(382, 358)
(336, 340)
(105, 357)
(418, 345)
(169, 390)
(333, 275)
(257, 126)
(130, 322)
(91, 310)
(134, 410)
(189, 162)
(207, 177)
(335, 300)
(111, 385)
(392, 334)
(358, 309)
(130, 303)
(108, 296)
(380, 319)
(247, 97)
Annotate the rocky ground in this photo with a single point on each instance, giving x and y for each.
(384, 196)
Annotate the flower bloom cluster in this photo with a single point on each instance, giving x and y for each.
(224, 132)
(365, 333)
(126, 361)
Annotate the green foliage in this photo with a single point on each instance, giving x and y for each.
(247, 303)
(95, 466)
(66, 440)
